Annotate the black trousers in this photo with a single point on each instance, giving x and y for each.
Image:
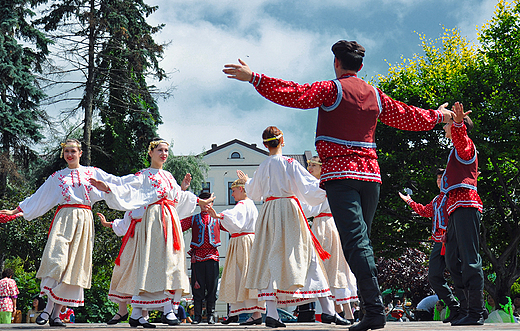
(353, 204)
(204, 275)
(436, 267)
(462, 246)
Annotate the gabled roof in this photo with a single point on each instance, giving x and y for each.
(215, 148)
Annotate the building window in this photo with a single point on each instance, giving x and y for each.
(231, 200)
(206, 187)
(235, 155)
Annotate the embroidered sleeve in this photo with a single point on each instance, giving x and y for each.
(404, 117)
(424, 211)
(462, 143)
(294, 95)
(186, 223)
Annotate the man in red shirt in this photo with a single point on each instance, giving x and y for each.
(205, 240)
(348, 112)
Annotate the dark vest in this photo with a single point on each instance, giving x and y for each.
(352, 119)
(440, 218)
(460, 173)
(198, 231)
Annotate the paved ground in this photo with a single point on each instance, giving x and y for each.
(392, 326)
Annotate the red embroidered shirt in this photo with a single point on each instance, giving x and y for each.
(462, 197)
(351, 162)
(206, 251)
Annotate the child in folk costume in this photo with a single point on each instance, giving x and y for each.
(66, 264)
(286, 267)
(158, 270)
(464, 207)
(240, 223)
(341, 280)
(205, 240)
(126, 228)
(437, 261)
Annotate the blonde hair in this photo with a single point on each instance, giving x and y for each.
(70, 143)
(154, 143)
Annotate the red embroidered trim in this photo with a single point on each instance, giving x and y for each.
(120, 296)
(58, 298)
(141, 302)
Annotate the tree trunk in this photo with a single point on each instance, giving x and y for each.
(89, 89)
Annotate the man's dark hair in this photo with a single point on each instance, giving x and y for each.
(469, 123)
(439, 172)
(8, 273)
(205, 195)
(349, 53)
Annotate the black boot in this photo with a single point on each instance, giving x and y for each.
(197, 311)
(210, 312)
(463, 305)
(454, 307)
(374, 317)
(475, 314)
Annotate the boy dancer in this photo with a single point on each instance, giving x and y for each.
(437, 262)
(464, 207)
(205, 240)
(240, 223)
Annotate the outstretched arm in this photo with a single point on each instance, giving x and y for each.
(238, 71)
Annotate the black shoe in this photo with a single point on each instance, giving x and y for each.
(232, 319)
(40, 320)
(211, 319)
(369, 323)
(56, 321)
(197, 319)
(135, 323)
(257, 321)
(454, 316)
(272, 323)
(469, 320)
(169, 321)
(326, 318)
(121, 318)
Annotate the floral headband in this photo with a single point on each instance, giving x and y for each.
(69, 144)
(237, 183)
(156, 143)
(273, 138)
(314, 162)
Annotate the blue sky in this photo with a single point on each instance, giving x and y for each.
(285, 39)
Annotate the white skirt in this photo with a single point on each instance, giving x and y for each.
(285, 266)
(341, 279)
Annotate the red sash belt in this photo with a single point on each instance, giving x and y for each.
(324, 215)
(240, 234)
(176, 236)
(323, 254)
(129, 234)
(60, 207)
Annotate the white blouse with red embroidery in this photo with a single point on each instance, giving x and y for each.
(148, 186)
(279, 176)
(241, 218)
(66, 186)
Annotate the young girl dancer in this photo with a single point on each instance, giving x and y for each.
(66, 264)
(341, 280)
(286, 265)
(125, 227)
(240, 223)
(158, 271)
